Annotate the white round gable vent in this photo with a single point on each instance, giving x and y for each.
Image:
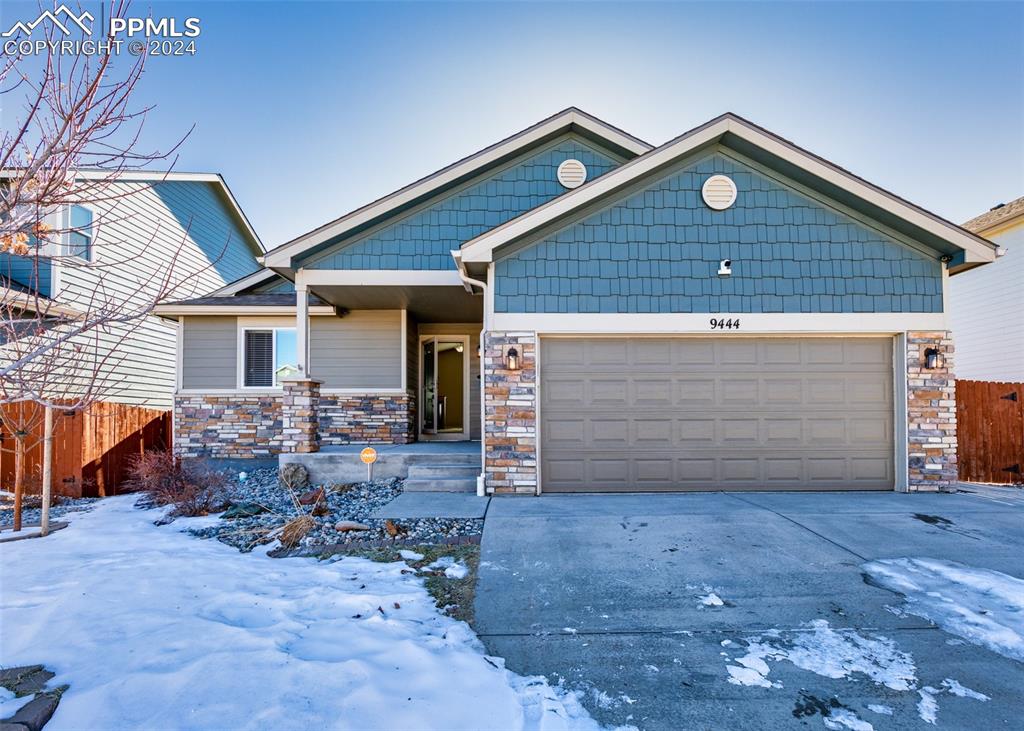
(719, 192)
(572, 174)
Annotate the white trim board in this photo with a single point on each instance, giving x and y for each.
(172, 310)
(378, 278)
(700, 323)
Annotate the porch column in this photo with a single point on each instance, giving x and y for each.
(300, 415)
(302, 328)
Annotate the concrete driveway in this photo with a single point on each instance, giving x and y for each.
(612, 594)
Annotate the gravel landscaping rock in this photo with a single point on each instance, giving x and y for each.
(32, 515)
(345, 505)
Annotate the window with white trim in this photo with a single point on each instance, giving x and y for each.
(79, 234)
(269, 355)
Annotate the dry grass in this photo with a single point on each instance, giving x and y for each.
(295, 530)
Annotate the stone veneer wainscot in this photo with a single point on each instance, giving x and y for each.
(227, 426)
(510, 414)
(243, 427)
(931, 415)
(367, 418)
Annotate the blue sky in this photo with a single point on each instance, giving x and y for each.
(312, 109)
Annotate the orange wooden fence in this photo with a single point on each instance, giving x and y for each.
(91, 451)
(990, 431)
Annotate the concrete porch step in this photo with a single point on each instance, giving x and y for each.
(449, 484)
(442, 471)
(456, 458)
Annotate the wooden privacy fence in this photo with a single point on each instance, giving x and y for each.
(91, 451)
(990, 431)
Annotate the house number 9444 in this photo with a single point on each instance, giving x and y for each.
(723, 324)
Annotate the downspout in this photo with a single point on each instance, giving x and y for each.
(468, 282)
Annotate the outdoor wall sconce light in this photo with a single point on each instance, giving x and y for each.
(934, 359)
(512, 359)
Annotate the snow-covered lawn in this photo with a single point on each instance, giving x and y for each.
(982, 606)
(153, 628)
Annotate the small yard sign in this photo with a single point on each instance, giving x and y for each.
(368, 456)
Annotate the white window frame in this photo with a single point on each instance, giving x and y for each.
(242, 330)
(65, 243)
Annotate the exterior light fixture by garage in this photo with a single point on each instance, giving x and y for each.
(933, 359)
(512, 359)
(719, 192)
(572, 174)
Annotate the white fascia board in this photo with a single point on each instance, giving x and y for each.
(377, 277)
(700, 323)
(250, 280)
(172, 310)
(481, 249)
(282, 255)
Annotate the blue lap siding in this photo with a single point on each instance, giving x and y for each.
(658, 251)
(425, 239)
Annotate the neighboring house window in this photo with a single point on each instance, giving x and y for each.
(80, 236)
(270, 356)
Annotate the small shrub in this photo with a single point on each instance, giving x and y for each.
(191, 485)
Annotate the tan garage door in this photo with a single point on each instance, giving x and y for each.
(644, 414)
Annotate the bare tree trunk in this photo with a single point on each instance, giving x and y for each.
(44, 522)
(19, 478)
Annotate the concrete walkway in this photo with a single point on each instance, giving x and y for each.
(605, 592)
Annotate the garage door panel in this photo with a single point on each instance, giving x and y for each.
(716, 413)
(695, 391)
(740, 391)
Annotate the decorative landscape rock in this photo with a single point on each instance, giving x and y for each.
(312, 497)
(30, 680)
(294, 475)
(243, 510)
(357, 503)
(31, 516)
(348, 525)
(34, 714)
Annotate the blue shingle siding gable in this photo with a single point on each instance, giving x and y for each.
(425, 239)
(659, 251)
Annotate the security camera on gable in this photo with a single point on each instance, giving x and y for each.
(725, 268)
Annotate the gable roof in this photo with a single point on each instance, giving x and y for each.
(160, 176)
(1003, 213)
(764, 147)
(568, 120)
(258, 277)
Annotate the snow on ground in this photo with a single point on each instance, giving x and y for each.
(833, 653)
(840, 719)
(153, 628)
(983, 606)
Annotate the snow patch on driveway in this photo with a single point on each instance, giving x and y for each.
(153, 628)
(832, 653)
(980, 605)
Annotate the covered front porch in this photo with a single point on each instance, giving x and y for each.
(422, 387)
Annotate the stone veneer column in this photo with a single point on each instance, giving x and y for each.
(510, 414)
(931, 414)
(300, 418)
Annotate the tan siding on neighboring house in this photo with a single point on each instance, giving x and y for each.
(473, 330)
(363, 349)
(210, 353)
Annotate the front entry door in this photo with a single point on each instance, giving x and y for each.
(444, 396)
